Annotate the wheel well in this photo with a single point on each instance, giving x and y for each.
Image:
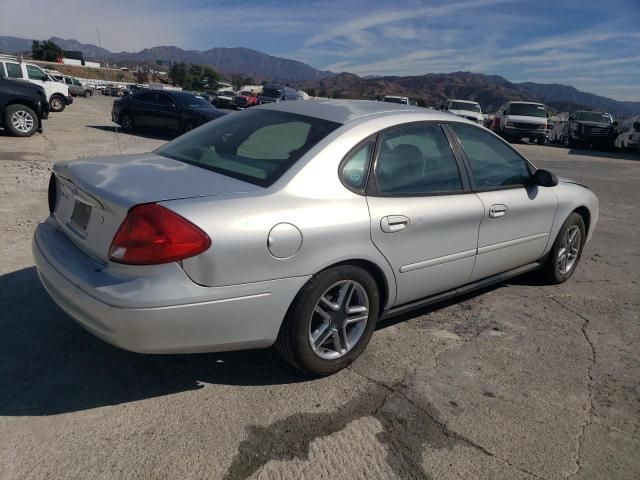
(57, 95)
(376, 273)
(26, 103)
(586, 217)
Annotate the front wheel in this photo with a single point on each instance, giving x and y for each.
(331, 320)
(57, 103)
(128, 124)
(566, 251)
(21, 120)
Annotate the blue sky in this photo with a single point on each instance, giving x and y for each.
(591, 44)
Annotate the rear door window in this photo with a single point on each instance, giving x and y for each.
(416, 160)
(14, 70)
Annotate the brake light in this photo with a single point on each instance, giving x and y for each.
(151, 234)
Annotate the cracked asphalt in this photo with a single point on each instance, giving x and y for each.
(518, 381)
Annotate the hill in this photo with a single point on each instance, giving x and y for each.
(432, 89)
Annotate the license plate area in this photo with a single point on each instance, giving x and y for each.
(81, 214)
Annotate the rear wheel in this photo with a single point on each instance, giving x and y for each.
(566, 251)
(57, 103)
(128, 124)
(331, 321)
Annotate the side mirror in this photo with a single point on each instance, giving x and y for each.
(545, 178)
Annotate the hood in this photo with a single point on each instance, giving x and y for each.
(527, 119)
(128, 180)
(28, 85)
(593, 124)
(572, 182)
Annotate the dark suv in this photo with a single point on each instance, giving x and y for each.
(585, 128)
(167, 109)
(23, 106)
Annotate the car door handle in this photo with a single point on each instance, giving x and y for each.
(394, 223)
(497, 211)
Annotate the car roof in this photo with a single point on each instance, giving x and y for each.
(343, 111)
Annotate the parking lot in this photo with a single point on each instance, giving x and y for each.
(518, 381)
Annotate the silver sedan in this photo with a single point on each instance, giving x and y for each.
(300, 224)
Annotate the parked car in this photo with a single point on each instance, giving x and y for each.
(518, 120)
(76, 87)
(465, 109)
(629, 134)
(225, 239)
(587, 128)
(223, 99)
(244, 99)
(556, 131)
(278, 93)
(23, 107)
(115, 91)
(57, 93)
(396, 99)
(174, 110)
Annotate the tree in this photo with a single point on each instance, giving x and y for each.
(237, 81)
(177, 73)
(46, 51)
(311, 92)
(336, 94)
(119, 76)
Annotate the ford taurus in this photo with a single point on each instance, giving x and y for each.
(300, 224)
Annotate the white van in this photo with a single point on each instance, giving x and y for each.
(628, 134)
(517, 120)
(396, 99)
(466, 109)
(57, 93)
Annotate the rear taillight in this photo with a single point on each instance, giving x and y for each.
(152, 234)
(52, 193)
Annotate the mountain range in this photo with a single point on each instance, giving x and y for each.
(490, 91)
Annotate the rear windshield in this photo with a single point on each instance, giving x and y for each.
(257, 146)
(593, 117)
(527, 110)
(469, 107)
(271, 93)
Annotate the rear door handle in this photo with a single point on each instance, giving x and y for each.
(394, 223)
(497, 211)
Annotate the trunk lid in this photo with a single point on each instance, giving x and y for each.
(93, 196)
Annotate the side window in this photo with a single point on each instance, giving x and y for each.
(67, 80)
(354, 169)
(165, 100)
(35, 73)
(14, 70)
(493, 163)
(147, 97)
(416, 160)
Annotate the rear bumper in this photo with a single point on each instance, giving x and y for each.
(68, 100)
(160, 310)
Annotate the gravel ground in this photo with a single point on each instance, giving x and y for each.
(519, 381)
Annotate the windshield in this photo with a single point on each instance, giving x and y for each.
(527, 110)
(593, 117)
(271, 93)
(394, 100)
(470, 107)
(256, 146)
(192, 101)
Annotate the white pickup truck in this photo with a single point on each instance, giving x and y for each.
(57, 93)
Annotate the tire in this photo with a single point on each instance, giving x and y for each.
(57, 103)
(85, 94)
(304, 320)
(552, 271)
(128, 124)
(21, 120)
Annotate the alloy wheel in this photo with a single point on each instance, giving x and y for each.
(22, 121)
(339, 319)
(569, 250)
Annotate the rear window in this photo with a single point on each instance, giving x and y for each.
(470, 107)
(256, 146)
